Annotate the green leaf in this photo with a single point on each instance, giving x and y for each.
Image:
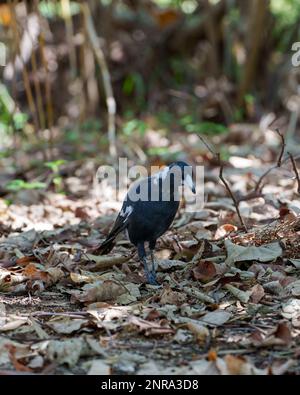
(18, 185)
(209, 128)
(55, 165)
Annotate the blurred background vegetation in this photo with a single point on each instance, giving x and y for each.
(166, 66)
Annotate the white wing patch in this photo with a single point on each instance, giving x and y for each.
(161, 174)
(127, 212)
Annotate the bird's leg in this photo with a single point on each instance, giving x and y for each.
(152, 247)
(142, 256)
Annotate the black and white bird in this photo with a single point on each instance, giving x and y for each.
(149, 209)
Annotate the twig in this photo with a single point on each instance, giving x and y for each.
(207, 145)
(235, 202)
(110, 100)
(279, 163)
(295, 171)
(249, 196)
(234, 199)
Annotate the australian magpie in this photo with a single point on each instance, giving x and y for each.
(149, 209)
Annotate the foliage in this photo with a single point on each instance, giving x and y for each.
(19, 185)
(191, 125)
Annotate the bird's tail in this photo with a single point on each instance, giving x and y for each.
(109, 243)
(107, 246)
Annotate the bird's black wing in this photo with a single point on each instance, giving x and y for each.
(120, 224)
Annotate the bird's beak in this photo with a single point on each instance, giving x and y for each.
(190, 183)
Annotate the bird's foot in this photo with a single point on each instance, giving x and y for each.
(151, 278)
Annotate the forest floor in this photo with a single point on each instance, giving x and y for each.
(228, 300)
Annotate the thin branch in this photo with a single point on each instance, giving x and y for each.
(279, 162)
(235, 202)
(207, 145)
(258, 186)
(295, 171)
(225, 183)
(110, 100)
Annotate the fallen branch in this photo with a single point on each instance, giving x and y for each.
(194, 293)
(295, 171)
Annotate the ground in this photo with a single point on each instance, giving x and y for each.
(227, 300)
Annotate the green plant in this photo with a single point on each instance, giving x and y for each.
(134, 85)
(191, 125)
(18, 185)
(135, 126)
(57, 179)
(9, 118)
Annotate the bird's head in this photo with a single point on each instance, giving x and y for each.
(185, 172)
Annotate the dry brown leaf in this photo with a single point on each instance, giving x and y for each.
(11, 323)
(102, 291)
(224, 230)
(32, 272)
(257, 293)
(201, 332)
(205, 271)
(105, 261)
(239, 365)
(172, 297)
(150, 328)
(17, 365)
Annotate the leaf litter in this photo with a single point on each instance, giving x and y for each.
(228, 300)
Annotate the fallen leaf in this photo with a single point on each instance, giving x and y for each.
(200, 331)
(283, 333)
(274, 287)
(205, 271)
(239, 365)
(150, 327)
(31, 271)
(172, 297)
(102, 291)
(24, 241)
(99, 368)
(167, 264)
(65, 351)
(238, 253)
(257, 293)
(66, 326)
(104, 261)
(132, 294)
(224, 230)
(243, 296)
(12, 324)
(17, 365)
(216, 318)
